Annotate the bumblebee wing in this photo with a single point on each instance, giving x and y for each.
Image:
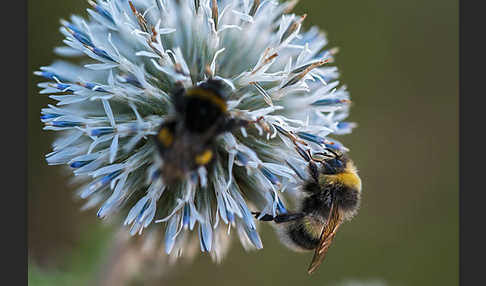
(327, 235)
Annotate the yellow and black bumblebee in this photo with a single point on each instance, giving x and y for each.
(186, 141)
(331, 195)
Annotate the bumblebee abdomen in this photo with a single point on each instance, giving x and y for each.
(303, 234)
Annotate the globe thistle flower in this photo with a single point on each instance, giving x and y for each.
(113, 92)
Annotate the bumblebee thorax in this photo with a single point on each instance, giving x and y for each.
(203, 109)
(348, 179)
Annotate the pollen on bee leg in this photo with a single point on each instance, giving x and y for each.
(165, 137)
(204, 157)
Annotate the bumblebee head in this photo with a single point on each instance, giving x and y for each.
(210, 94)
(336, 162)
(214, 85)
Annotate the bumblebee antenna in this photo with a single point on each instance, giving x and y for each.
(322, 153)
(336, 155)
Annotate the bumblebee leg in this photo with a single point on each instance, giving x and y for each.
(287, 217)
(280, 218)
(233, 123)
(266, 217)
(314, 171)
(178, 97)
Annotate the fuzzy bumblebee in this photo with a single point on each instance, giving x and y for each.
(187, 140)
(330, 196)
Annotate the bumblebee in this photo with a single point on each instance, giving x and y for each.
(186, 141)
(330, 196)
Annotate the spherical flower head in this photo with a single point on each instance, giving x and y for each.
(110, 108)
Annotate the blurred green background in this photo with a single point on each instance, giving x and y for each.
(399, 60)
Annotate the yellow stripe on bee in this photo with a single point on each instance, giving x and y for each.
(208, 95)
(204, 157)
(351, 180)
(165, 137)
